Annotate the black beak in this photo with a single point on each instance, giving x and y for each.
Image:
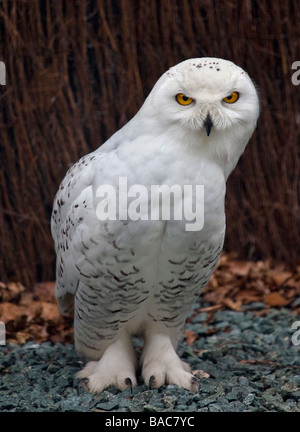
(208, 124)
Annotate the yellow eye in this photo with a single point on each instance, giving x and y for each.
(231, 98)
(183, 100)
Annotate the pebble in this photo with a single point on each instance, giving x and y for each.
(249, 363)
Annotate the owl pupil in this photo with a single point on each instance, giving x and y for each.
(229, 97)
(185, 98)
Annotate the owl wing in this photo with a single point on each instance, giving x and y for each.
(89, 260)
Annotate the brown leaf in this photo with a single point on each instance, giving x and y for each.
(11, 291)
(275, 299)
(23, 337)
(240, 268)
(248, 296)
(44, 291)
(234, 305)
(9, 312)
(281, 278)
(190, 337)
(210, 308)
(199, 373)
(50, 313)
(213, 282)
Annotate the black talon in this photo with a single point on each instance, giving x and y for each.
(128, 382)
(195, 384)
(151, 382)
(83, 383)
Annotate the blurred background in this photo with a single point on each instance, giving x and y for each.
(76, 71)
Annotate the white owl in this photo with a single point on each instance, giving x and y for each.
(136, 275)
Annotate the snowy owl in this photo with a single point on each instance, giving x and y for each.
(124, 270)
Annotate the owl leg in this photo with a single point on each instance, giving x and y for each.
(160, 363)
(116, 367)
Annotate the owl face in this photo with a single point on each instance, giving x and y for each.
(206, 96)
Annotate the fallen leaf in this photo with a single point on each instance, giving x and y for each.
(190, 337)
(23, 337)
(199, 373)
(275, 299)
(11, 291)
(241, 268)
(281, 278)
(210, 308)
(50, 313)
(234, 305)
(9, 311)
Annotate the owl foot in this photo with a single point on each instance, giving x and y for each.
(116, 367)
(161, 365)
(193, 386)
(128, 383)
(82, 385)
(151, 384)
(166, 374)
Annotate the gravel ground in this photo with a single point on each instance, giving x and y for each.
(250, 363)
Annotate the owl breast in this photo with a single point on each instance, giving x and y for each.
(143, 269)
(153, 270)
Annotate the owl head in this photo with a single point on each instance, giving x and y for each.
(207, 102)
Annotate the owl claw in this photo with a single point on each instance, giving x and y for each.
(83, 384)
(128, 382)
(151, 382)
(194, 384)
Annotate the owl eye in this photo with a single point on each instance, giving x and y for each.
(233, 97)
(183, 100)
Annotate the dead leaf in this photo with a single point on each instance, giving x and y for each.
(210, 308)
(9, 311)
(199, 373)
(190, 337)
(213, 282)
(275, 299)
(50, 313)
(234, 305)
(11, 291)
(23, 337)
(240, 268)
(44, 291)
(281, 278)
(248, 295)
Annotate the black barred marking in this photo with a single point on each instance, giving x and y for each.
(140, 280)
(85, 275)
(195, 261)
(85, 246)
(185, 279)
(93, 241)
(119, 261)
(173, 287)
(117, 247)
(177, 263)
